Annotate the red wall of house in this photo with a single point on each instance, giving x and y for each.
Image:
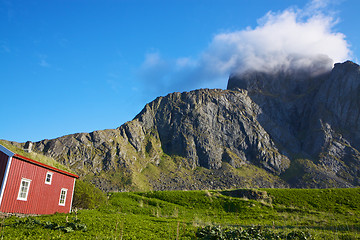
(42, 198)
(3, 161)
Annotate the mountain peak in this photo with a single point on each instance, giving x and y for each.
(279, 129)
(348, 64)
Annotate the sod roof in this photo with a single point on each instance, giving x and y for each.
(20, 153)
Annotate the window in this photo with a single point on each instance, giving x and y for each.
(48, 178)
(62, 197)
(24, 189)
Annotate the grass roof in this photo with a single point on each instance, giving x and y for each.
(35, 156)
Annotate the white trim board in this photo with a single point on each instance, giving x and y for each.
(6, 151)
(3, 185)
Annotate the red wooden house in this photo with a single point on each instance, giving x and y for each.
(31, 187)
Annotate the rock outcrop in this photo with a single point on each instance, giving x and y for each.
(209, 127)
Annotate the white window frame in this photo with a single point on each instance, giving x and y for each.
(46, 177)
(26, 192)
(62, 199)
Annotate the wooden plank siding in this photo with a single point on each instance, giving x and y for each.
(42, 198)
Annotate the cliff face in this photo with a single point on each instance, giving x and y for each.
(334, 133)
(266, 130)
(313, 117)
(209, 127)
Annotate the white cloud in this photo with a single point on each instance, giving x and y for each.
(155, 69)
(283, 41)
(151, 60)
(185, 62)
(5, 48)
(294, 39)
(43, 61)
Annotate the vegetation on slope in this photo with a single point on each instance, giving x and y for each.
(280, 213)
(34, 156)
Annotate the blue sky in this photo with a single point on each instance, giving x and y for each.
(79, 66)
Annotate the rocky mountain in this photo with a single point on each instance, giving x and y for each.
(266, 130)
(315, 118)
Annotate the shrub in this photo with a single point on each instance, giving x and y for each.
(251, 233)
(87, 196)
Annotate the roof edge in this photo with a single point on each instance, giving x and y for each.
(6, 151)
(18, 156)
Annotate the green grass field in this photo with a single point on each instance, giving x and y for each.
(321, 214)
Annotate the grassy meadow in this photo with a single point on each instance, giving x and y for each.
(315, 213)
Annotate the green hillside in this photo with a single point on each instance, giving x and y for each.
(265, 213)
